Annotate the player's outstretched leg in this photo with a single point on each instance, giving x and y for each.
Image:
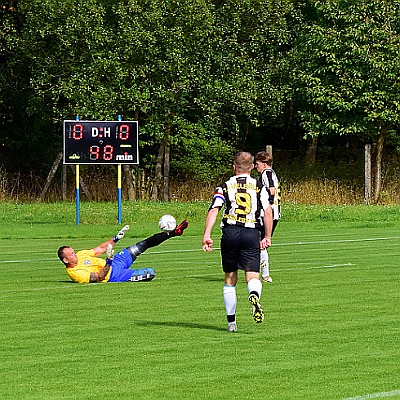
(156, 240)
(178, 231)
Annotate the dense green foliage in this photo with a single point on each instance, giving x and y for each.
(204, 77)
(195, 69)
(350, 67)
(331, 329)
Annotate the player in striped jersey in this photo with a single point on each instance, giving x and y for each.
(244, 201)
(270, 180)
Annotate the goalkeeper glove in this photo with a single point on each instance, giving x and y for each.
(120, 234)
(110, 254)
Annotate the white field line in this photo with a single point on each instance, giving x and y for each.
(275, 270)
(341, 241)
(375, 395)
(217, 248)
(293, 244)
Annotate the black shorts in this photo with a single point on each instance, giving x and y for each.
(240, 249)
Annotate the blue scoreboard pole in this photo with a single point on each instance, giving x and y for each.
(77, 194)
(119, 187)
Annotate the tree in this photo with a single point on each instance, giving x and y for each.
(145, 60)
(346, 68)
(198, 75)
(14, 82)
(54, 42)
(163, 55)
(248, 88)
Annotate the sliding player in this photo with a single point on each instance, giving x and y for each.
(86, 267)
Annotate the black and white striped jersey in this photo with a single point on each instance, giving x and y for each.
(270, 179)
(244, 200)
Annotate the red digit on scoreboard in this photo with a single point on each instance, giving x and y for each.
(94, 152)
(108, 152)
(123, 132)
(77, 131)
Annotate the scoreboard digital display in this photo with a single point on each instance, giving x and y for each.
(101, 142)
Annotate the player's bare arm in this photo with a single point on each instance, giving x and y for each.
(99, 276)
(266, 240)
(210, 221)
(101, 249)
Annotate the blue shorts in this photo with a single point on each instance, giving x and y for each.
(120, 271)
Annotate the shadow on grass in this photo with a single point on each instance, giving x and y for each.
(176, 324)
(206, 278)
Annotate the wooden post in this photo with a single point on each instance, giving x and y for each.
(50, 176)
(166, 173)
(367, 175)
(130, 183)
(143, 185)
(64, 182)
(268, 149)
(82, 184)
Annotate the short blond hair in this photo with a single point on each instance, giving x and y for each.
(243, 162)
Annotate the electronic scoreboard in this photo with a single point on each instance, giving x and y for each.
(101, 142)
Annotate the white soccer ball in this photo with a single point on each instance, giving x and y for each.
(167, 223)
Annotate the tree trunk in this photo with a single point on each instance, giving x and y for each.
(130, 181)
(378, 163)
(367, 174)
(156, 190)
(166, 172)
(85, 189)
(311, 153)
(158, 174)
(50, 176)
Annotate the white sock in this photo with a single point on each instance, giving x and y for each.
(230, 299)
(255, 285)
(264, 261)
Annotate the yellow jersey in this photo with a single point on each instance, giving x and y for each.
(87, 263)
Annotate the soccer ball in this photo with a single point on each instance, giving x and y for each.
(167, 223)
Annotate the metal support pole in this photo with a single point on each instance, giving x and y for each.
(119, 187)
(77, 195)
(119, 194)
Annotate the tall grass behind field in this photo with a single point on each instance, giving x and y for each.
(319, 185)
(306, 191)
(341, 183)
(322, 191)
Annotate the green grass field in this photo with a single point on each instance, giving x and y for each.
(332, 312)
